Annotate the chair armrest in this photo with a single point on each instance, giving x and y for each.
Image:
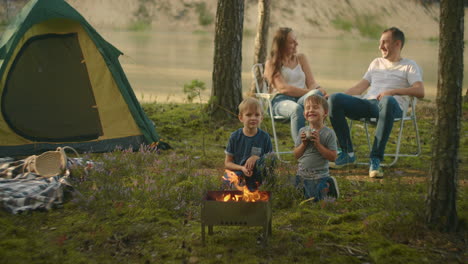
(267, 96)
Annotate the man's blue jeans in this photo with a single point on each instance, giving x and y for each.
(292, 108)
(386, 110)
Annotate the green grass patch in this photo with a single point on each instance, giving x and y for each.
(144, 207)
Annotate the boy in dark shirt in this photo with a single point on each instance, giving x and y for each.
(248, 146)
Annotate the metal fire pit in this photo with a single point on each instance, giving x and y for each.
(233, 213)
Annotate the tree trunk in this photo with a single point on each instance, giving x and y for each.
(441, 211)
(227, 65)
(7, 12)
(466, 97)
(261, 40)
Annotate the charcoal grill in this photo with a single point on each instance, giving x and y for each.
(214, 211)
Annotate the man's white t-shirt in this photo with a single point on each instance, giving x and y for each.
(384, 75)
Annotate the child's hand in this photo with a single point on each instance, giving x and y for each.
(315, 137)
(246, 171)
(250, 163)
(304, 138)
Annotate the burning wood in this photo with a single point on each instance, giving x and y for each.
(246, 196)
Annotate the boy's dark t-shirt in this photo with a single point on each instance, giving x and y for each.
(242, 147)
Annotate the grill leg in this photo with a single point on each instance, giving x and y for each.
(203, 233)
(269, 227)
(266, 232)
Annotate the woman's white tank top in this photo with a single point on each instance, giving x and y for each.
(295, 77)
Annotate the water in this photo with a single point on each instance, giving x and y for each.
(158, 64)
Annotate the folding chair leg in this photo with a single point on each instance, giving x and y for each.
(274, 134)
(397, 153)
(418, 140)
(366, 128)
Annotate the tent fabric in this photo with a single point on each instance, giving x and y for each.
(61, 84)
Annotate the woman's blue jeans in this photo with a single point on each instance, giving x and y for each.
(386, 110)
(292, 108)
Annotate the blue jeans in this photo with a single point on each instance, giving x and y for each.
(313, 188)
(386, 110)
(293, 109)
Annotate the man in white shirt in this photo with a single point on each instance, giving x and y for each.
(391, 79)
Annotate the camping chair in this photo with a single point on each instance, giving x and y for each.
(264, 96)
(409, 115)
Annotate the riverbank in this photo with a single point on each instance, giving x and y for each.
(317, 18)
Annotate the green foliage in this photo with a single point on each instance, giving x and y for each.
(139, 26)
(367, 25)
(194, 89)
(143, 16)
(204, 16)
(342, 24)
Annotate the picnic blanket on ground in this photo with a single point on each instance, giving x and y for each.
(21, 191)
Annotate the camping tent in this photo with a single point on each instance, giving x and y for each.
(61, 84)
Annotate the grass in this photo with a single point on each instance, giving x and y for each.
(144, 207)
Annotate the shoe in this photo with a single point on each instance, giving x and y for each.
(343, 159)
(375, 171)
(333, 191)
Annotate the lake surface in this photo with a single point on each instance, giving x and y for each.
(158, 64)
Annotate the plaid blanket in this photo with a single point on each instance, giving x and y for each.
(21, 191)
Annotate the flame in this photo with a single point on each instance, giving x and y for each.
(246, 195)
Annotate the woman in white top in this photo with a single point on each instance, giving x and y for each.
(290, 79)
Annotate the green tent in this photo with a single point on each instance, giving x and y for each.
(61, 84)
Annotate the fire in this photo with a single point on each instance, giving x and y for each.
(247, 195)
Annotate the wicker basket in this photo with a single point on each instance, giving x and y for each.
(48, 164)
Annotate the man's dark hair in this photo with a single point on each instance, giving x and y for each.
(397, 34)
